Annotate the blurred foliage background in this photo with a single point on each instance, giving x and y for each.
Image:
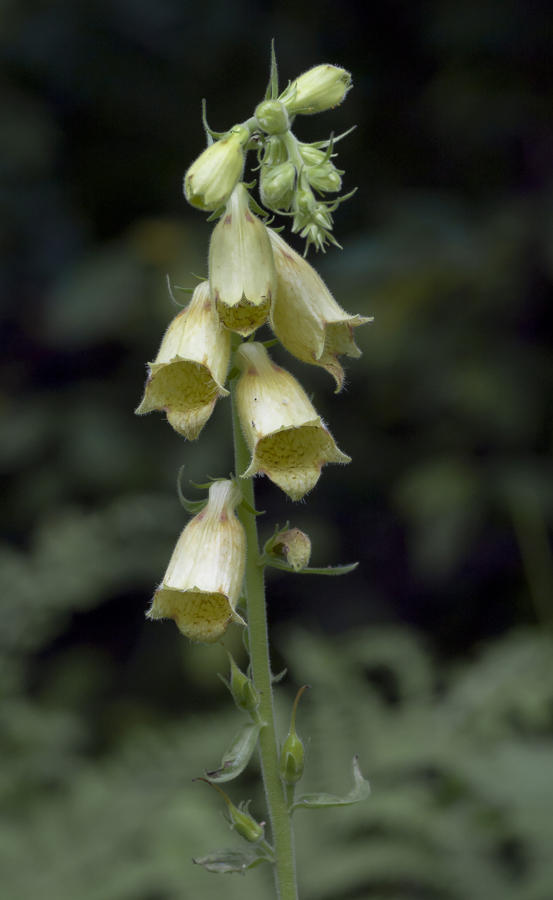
(433, 660)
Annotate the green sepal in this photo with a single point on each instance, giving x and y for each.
(216, 214)
(242, 688)
(272, 88)
(208, 132)
(320, 144)
(254, 205)
(360, 791)
(191, 506)
(309, 570)
(270, 343)
(249, 508)
(234, 373)
(183, 290)
(233, 859)
(238, 754)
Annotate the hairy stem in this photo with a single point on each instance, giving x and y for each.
(281, 824)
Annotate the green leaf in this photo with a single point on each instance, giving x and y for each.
(238, 754)
(232, 859)
(360, 791)
(328, 570)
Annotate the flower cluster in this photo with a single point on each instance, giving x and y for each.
(255, 277)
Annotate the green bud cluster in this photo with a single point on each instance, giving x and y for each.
(290, 170)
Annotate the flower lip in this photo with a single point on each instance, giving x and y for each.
(188, 374)
(289, 442)
(202, 584)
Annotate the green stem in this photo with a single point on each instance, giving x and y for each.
(281, 824)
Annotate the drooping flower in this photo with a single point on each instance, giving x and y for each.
(320, 88)
(242, 272)
(213, 176)
(288, 440)
(202, 584)
(189, 372)
(305, 316)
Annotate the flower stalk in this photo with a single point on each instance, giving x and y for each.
(279, 815)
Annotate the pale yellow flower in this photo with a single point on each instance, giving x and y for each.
(202, 584)
(189, 372)
(305, 316)
(288, 440)
(213, 176)
(241, 266)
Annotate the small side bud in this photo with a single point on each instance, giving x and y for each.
(277, 185)
(324, 178)
(239, 818)
(292, 757)
(292, 545)
(316, 90)
(272, 117)
(242, 688)
(211, 179)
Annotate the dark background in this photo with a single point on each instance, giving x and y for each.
(448, 242)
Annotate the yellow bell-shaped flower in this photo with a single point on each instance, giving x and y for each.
(242, 272)
(288, 440)
(305, 316)
(188, 375)
(202, 584)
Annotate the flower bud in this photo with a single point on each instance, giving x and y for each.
(316, 90)
(310, 155)
(305, 316)
(202, 584)
(190, 369)
(324, 177)
(239, 818)
(272, 117)
(292, 756)
(293, 545)
(288, 440)
(277, 185)
(211, 179)
(242, 273)
(242, 688)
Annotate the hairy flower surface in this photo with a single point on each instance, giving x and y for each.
(288, 440)
(202, 584)
(211, 179)
(305, 316)
(242, 272)
(188, 375)
(316, 90)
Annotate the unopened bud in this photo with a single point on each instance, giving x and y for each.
(272, 117)
(240, 819)
(277, 185)
(292, 545)
(324, 177)
(211, 179)
(242, 688)
(316, 90)
(292, 756)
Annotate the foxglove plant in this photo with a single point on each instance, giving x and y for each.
(217, 566)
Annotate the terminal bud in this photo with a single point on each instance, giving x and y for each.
(316, 90)
(292, 756)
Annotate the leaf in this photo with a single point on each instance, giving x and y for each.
(360, 791)
(238, 754)
(232, 859)
(328, 570)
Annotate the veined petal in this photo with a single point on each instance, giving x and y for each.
(242, 272)
(202, 584)
(305, 316)
(288, 441)
(188, 375)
